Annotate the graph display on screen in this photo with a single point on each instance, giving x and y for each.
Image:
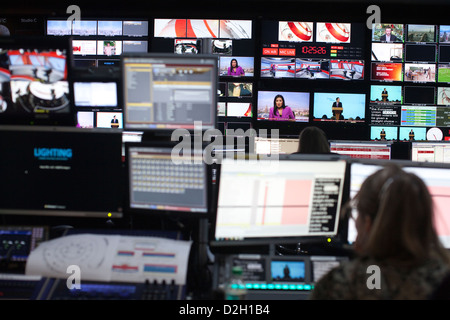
(285, 199)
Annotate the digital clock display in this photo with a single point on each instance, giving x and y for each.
(314, 50)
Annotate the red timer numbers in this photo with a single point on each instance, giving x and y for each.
(314, 50)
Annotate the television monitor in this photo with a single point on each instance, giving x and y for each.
(167, 179)
(435, 175)
(388, 94)
(420, 72)
(420, 52)
(339, 107)
(443, 72)
(444, 32)
(383, 133)
(412, 134)
(420, 33)
(35, 76)
(61, 171)
(384, 115)
(164, 92)
(362, 149)
(443, 96)
(387, 52)
(264, 202)
(298, 102)
(95, 94)
(419, 95)
(312, 50)
(386, 71)
(247, 65)
(424, 116)
(381, 32)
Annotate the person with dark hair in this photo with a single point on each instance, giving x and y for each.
(280, 111)
(234, 69)
(388, 36)
(398, 254)
(337, 109)
(312, 140)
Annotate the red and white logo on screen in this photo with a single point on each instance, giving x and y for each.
(334, 32)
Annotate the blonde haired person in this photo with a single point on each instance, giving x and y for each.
(396, 235)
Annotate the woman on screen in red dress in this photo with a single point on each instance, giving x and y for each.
(398, 255)
(280, 111)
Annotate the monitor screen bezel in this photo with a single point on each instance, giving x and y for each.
(61, 214)
(242, 245)
(166, 213)
(188, 59)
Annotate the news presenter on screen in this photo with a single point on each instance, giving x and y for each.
(388, 36)
(280, 111)
(384, 95)
(396, 237)
(411, 135)
(382, 134)
(234, 69)
(337, 109)
(114, 122)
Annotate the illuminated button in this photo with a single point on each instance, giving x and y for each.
(307, 287)
(249, 286)
(292, 287)
(300, 287)
(270, 286)
(256, 286)
(278, 286)
(285, 286)
(264, 286)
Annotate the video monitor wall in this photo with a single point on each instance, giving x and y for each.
(233, 42)
(100, 42)
(312, 50)
(408, 84)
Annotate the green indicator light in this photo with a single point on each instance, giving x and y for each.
(333, 54)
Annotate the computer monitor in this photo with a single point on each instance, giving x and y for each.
(165, 180)
(362, 149)
(264, 202)
(430, 151)
(164, 92)
(61, 171)
(35, 75)
(264, 145)
(436, 177)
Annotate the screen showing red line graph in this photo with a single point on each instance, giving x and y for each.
(276, 199)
